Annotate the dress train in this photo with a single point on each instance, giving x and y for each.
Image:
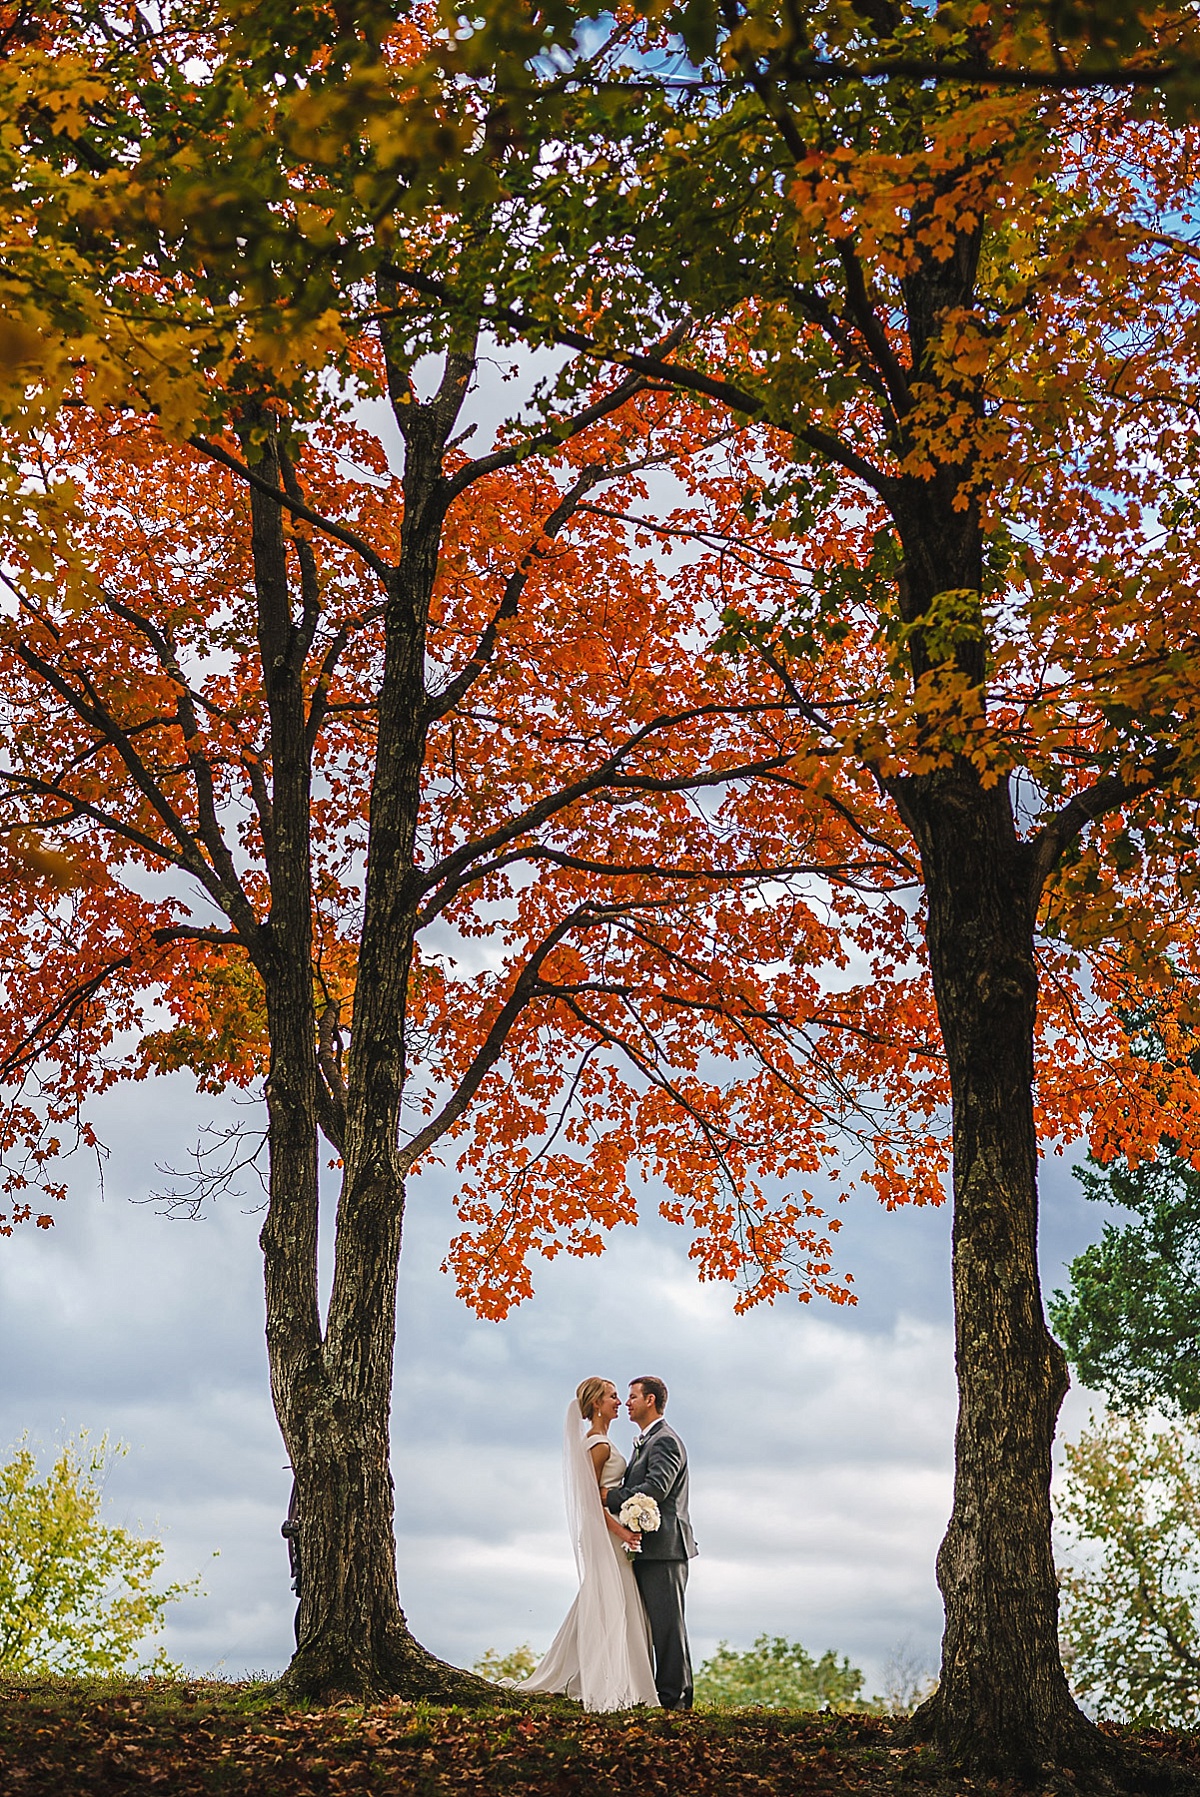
(601, 1654)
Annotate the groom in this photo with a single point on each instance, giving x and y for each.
(659, 1469)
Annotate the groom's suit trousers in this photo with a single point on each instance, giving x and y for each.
(662, 1584)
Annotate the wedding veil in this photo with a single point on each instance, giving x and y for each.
(601, 1654)
(590, 1655)
(585, 1525)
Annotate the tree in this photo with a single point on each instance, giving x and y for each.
(1129, 1618)
(320, 730)
(907, 1679)
(778, 1674)
(1129, 1321)
(966, 320)
(77, 1596)
(955, 319)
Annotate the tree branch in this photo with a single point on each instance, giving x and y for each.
(981, 74)
(331, 1092)
(526, 988)
(53, 1022)
(606, 777)
(1107, 794)
(692, 380)
(564, 430)
(187, 932)
(76, 807)
(297, 507)
(824, 69)
(218, 877)
(439, 704)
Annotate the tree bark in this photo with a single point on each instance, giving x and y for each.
(1003, 1708)
(332, 1389)
(1003, 1705)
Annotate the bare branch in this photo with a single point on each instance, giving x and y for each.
(298, 509)
(1106, 794)
(186, 932)
(439, 704)
(215, 1165)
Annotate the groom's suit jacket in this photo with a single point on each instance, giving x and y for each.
(659, 1468)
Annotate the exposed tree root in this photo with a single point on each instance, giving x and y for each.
(327, 1670)
(1072, 1755)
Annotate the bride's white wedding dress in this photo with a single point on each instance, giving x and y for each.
(601, 1654)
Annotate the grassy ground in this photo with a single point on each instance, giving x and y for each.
(74, 1740)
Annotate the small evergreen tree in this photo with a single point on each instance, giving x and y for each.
(1130, 1323)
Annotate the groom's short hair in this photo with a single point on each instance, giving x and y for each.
(653, 1388)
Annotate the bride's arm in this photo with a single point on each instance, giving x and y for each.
(599, 1454)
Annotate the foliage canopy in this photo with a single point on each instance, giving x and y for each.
(1130, 1322)
(1130, 1502)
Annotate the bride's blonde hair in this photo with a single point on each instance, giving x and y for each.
(589, 1395)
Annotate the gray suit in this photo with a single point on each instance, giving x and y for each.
(659, 1469)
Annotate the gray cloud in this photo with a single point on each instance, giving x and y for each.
(820, 1439)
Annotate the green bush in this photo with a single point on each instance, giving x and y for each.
(777, 1675)
(510, 1667)
(76, 1597)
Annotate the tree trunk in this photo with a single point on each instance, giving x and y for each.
(352, 1635)
(353, 1639)
(332, 1390)
(1003, 1706)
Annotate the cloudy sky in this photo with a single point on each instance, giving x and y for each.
(820, 1439)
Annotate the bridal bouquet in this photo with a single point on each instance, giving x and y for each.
(639, 1513)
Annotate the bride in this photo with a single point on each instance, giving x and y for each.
(601, 1654)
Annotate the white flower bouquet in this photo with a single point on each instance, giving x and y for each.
(639, 1513)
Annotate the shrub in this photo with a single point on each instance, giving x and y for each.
(777, 1675)
(76, 1596)
(507, 1667)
